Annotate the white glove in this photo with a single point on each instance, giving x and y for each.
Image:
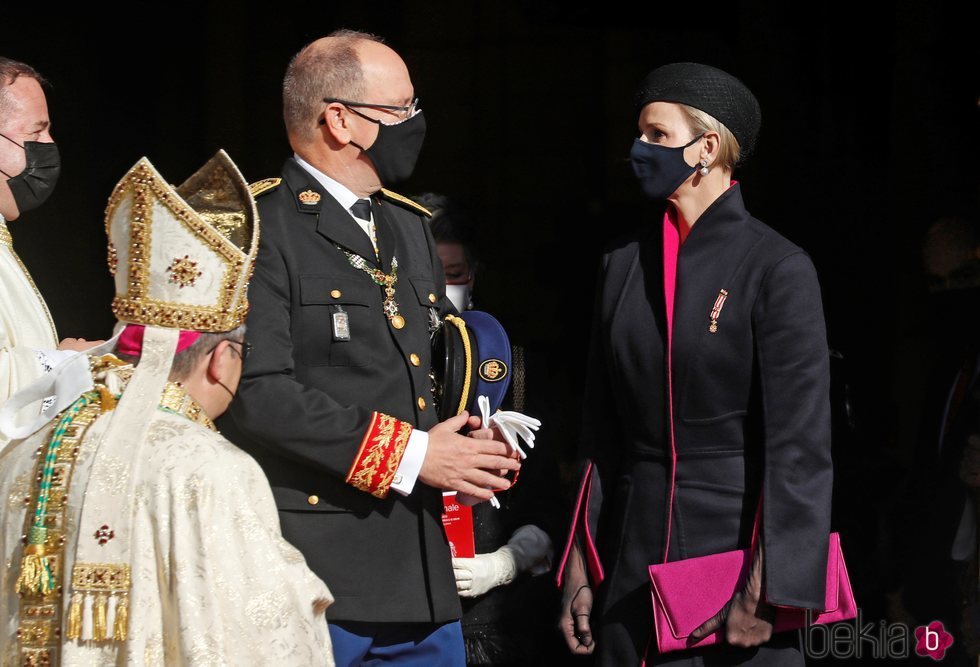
(475, 576)
(511, 425)
(529, 548)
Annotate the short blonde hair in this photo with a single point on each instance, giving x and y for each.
(729, 150)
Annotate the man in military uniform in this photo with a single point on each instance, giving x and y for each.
(336, 400)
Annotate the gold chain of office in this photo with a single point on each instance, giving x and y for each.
(381, 279)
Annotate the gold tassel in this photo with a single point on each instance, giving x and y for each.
(107, 400)
(35, 572)
(100, 630)
(74, 630)
(122, 618)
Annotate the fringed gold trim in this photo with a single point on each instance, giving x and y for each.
(121, 627)
(74, 626)
(99, 625)
(35, 576)
(106, 399)
(101, 591)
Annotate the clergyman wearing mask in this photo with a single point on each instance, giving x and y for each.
(29, 168)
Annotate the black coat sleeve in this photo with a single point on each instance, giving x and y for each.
(793, 360)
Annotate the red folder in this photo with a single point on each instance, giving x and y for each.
(457, 519)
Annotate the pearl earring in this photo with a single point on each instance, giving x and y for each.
(704, 168)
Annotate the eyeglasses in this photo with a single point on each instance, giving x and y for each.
(246, 348)
(403, 113)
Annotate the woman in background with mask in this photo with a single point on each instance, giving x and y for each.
(708, 382)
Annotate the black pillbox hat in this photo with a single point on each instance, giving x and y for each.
(709, 89)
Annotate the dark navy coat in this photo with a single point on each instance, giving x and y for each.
(751, 412)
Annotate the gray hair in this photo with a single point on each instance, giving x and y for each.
(187, 359)
(328, 67)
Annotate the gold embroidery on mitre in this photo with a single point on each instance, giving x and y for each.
(184, 272)
(113, 259)
(215, 206)
(405, 201)
(309, 197)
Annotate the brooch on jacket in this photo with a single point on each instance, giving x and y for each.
(716, 310)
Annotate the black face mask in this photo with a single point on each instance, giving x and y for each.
(660, 169)
(396, 149)
(34, 185)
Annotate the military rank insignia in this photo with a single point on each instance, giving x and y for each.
(309, 197)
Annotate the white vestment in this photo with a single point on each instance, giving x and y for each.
(25, 323)
(213, 581)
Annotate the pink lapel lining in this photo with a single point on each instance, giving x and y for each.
(672, 247)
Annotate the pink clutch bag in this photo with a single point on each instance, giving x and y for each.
(688, 592)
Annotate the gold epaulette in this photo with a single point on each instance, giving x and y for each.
(405, 201)
(265, 185)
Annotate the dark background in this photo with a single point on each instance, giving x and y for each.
(869, 134)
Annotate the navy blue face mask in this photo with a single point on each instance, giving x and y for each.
(660, 169)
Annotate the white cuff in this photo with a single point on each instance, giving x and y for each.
(408, 470)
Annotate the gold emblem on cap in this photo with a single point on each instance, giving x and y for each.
(309, 197)
(493, 370)
(398, 321)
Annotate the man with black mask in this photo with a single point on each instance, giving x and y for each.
(29, 167)
(336, 400)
